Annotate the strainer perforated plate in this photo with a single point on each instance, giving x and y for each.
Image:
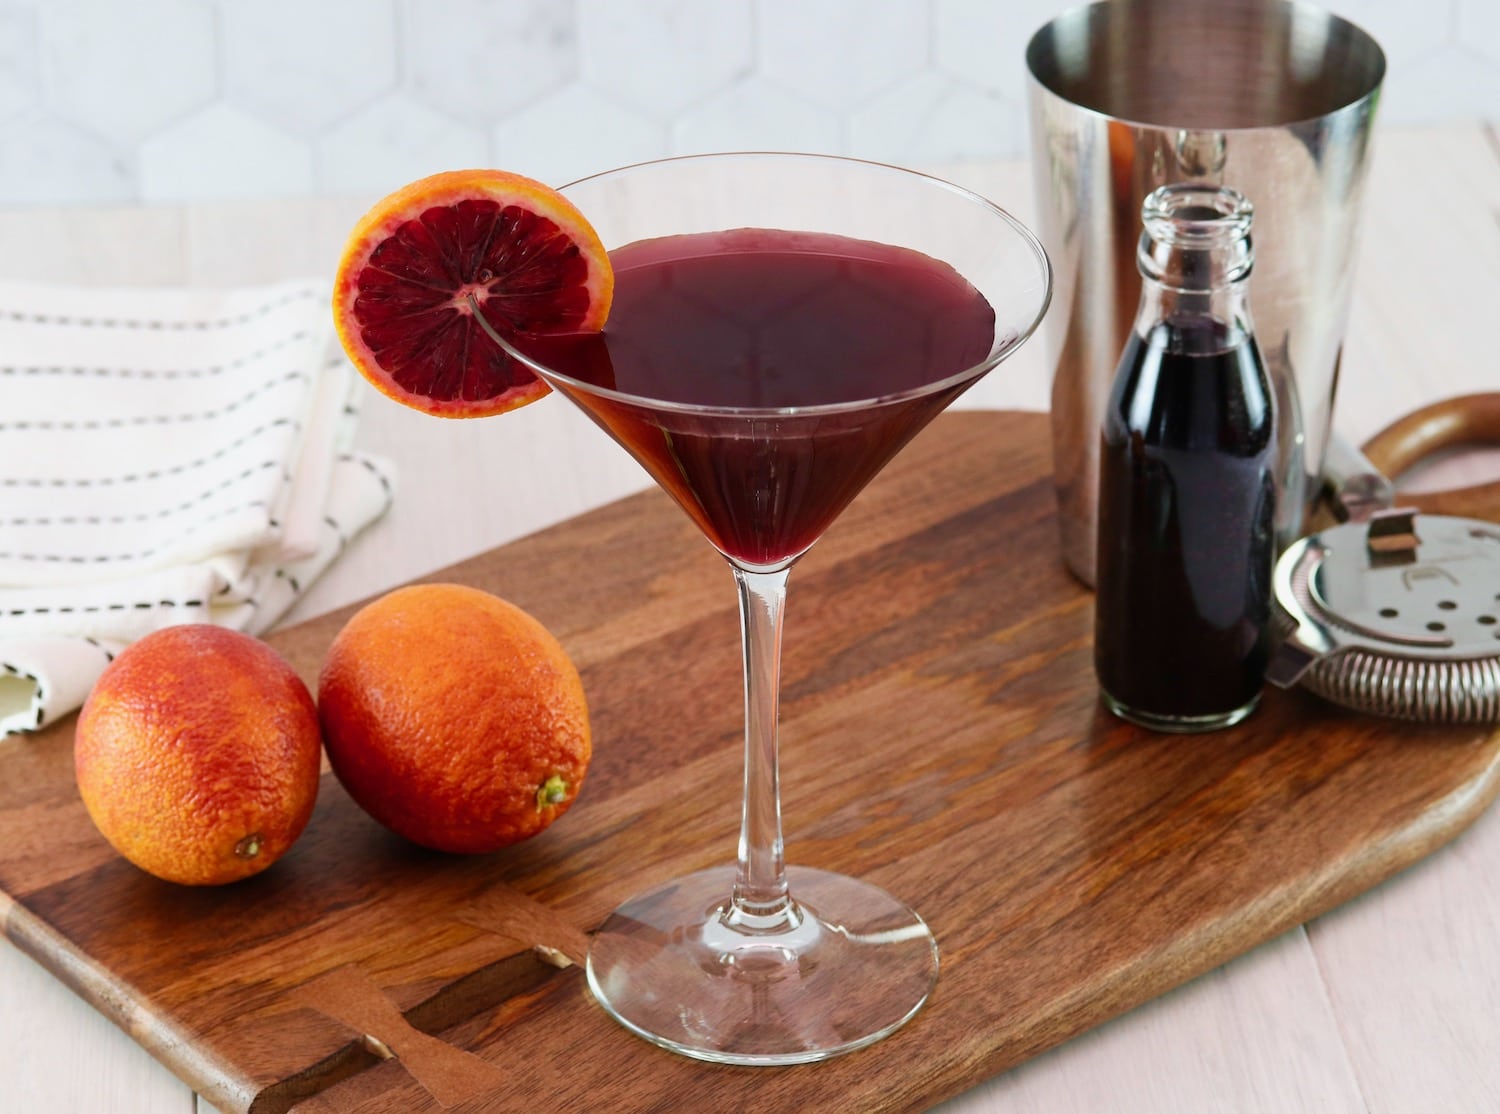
(1397, 615)
(1397, 612)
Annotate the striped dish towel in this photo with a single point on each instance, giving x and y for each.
(166, 456)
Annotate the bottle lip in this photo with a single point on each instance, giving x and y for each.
(1196, 237)
(1197, 214)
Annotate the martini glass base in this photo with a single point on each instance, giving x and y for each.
(852, 965)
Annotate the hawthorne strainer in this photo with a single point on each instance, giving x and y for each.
(1397, 610)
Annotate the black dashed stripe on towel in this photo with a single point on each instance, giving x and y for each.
(155, 473)
(94, 642)
(138, 555)
(338, 531)
(159, 419)
(87, 609)
(363, 462)
(86, 322)
(147, 516)
(150, 373)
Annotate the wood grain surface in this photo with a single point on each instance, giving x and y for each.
(942, 737)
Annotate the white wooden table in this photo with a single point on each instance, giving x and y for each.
(1388, 1005)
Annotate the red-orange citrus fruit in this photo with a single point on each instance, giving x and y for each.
(454, 718)
(400, 298)
(197, 754)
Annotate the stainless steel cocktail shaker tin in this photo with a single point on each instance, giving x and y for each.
(1271, 97)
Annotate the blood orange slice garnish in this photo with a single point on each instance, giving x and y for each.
(401, 299)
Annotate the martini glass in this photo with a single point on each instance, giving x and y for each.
(763, 440)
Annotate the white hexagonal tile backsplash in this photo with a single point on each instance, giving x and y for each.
(304, 67)
(223, 152)
(20, 85)
(479, 61)
(841, 53)
(124, 71)
(664, 56)
(391, 141)
(575, 132)
(106, 100)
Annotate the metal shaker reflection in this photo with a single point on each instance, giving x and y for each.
(1274, 98)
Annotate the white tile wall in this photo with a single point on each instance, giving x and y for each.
(841, 53)
(19, 85)
(663, 57)
(125, 71)
(479, 60)
(164, 100)
(283, 60)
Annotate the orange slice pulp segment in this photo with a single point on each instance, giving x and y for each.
(401, 295)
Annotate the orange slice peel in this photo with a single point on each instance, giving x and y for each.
(402, 295)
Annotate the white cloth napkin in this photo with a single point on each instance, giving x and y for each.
(166, 456)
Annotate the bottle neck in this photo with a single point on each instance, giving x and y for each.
(1195, 256)
(1226, 304)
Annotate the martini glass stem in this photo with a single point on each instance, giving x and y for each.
(761, 903)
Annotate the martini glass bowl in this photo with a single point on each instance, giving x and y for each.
(758, 963)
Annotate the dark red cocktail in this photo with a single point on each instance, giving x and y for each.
(766, 320)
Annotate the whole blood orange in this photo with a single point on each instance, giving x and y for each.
(401, 296)
(197, 754)
(454, 718)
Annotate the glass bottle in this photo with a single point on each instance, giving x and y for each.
(1187, 490)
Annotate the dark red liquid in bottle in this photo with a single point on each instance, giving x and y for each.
(1186, 524)
(775, 321)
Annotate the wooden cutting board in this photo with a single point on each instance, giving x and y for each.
(942, 737)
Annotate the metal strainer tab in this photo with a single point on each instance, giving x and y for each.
(1397, 612)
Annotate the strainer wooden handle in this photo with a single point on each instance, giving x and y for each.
(1465, 420)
